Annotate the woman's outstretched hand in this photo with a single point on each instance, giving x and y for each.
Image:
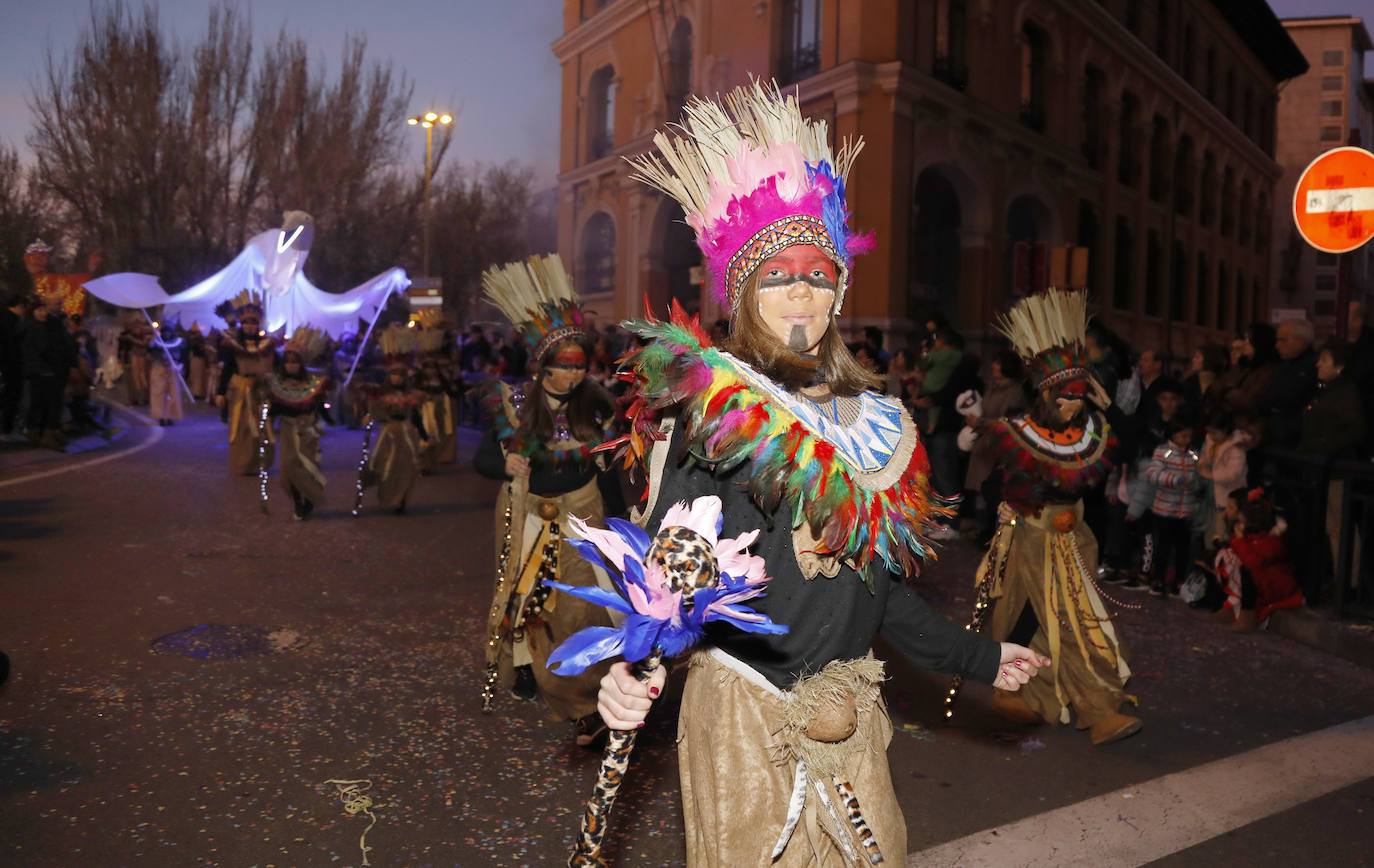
(624, 700)
(1019, 665)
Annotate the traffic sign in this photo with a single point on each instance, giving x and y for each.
(1333, 203)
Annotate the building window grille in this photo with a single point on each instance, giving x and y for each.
(801, 40)
(1033, 55)
(951, 42)
(601, 113)
(598, 255)
(1093, 86)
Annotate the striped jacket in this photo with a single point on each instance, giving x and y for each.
(1174, 474)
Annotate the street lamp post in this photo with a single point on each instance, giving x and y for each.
(428, 121)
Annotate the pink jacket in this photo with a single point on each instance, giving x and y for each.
(1224, 464)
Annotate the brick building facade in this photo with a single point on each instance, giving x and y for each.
(1141, 131)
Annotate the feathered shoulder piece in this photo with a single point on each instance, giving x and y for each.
(537, 297)
(754, 177)
(728, 422)
(1042, 464)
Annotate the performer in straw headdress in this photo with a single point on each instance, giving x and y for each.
(394, 407)
(253, 353)
(1041, 565)
(437, 412)
(539, 439)
(782, 738)
(296, 400)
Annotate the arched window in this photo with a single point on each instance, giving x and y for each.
(1154, 260)
(1201, 293)
(1223, 305)
(951, 42)
(679, 83)
(598, 255)
(1184, 192)
(1178, 283)
(601, 113)
(1159, 158)
(1188, 41)
(1094, 83)
(1123, 272)
(1128, 160)
(1228, 202)
(1034, 54)
(1207, 201)
(1247, 214)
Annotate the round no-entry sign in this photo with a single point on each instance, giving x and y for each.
(1333, 204)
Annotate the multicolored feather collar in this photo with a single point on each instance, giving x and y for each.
(501, 406)
(728, 421)
(1043, 464)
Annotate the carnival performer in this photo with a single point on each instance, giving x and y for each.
(297, 401)
(253, 353)
(1041, 565)
(223, 355)
(135, 342)
(782, 738)
(394, 407)
(539, 438)
(164, 385)
(437, 410)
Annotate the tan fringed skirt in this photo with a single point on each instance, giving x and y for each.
(1048, 568)
(738, 782)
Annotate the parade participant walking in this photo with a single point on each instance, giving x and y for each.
(1043, 557)
(164, 388)
(138, 336)
(539, 438)
(296, 400)
(782, 738)
(437, 410)
(253, 353)
(394, 407)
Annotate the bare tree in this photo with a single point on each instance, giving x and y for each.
(19, 220)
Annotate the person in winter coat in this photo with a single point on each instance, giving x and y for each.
(1174, 472)
(1254, 570)
(1333, 425)
(45, 363)
(1294, 381)
(1222, 464)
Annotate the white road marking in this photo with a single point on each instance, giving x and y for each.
(156, 435)
(1139, 824)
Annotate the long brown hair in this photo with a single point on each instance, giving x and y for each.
(754, 343)
(589, 406)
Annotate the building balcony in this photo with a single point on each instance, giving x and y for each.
(803, 62)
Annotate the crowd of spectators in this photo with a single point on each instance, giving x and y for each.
(1247, 427)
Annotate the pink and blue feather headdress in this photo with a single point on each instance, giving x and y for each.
(755, 177)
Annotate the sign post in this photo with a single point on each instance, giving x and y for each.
(1333, 208)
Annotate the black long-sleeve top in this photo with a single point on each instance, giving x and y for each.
(827, 618)
(547, 479)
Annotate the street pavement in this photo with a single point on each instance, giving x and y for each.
(348, 650)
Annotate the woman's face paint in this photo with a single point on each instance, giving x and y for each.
(567, 370)
(796, 293)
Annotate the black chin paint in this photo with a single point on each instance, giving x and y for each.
(797, 341)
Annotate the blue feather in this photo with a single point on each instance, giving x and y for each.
(585, 648)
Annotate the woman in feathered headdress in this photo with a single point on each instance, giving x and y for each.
(782, 736)
(394, 405)
(540, 436)
(250, 354)
(1041, 566)
(297, 401)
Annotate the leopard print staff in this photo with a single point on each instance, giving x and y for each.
(669, 588)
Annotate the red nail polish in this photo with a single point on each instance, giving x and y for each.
(653, 692)
(639, 725)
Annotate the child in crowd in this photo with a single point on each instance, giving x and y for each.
(1174, 471)
(1255, 571)
(1222, 464)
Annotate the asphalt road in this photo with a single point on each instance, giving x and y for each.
(356, 657)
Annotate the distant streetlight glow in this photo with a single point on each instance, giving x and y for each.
(428, 120)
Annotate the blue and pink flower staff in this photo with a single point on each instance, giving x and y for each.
(669, 587)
